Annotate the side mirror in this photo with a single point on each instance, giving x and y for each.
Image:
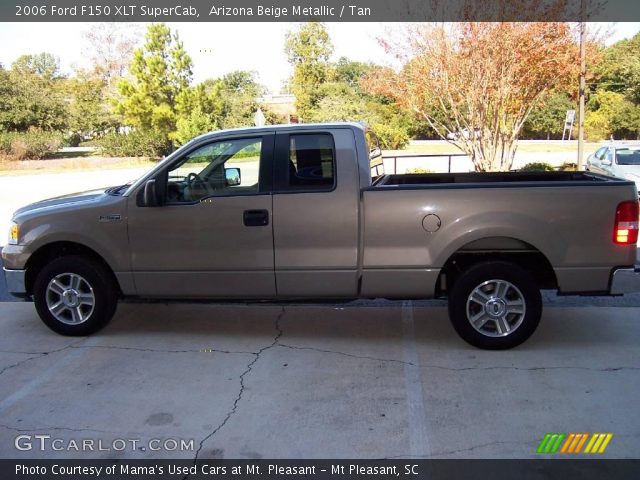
(150, 196)
(606, 162)
(232, 176)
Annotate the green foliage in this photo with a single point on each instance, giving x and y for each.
(31, 145)
(619, 70)
(610, 113)
(159, 92)
(134, 144)
(88, 112)
(391, 137)
(351, 72)
(237, 93)
(32, 95)
(537, 167)
(546, 119)
(308, 50)
(342, 99)
(44, 65)
(193, 125)
(72, 140)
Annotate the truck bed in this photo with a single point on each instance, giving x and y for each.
(497, 179)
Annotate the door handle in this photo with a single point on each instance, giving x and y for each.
(255, 218)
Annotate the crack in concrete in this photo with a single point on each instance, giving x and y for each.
(250, 365)
(37, 355)
(69, 429)
(116, 347)
(158, 350)
(455, 369)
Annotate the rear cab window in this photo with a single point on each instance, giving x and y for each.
(311, 163)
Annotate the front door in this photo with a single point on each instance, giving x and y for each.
(212, 236)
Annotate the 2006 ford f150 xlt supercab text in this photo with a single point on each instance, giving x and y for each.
(292, 212)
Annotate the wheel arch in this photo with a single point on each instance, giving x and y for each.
(497, 248)
(50, 251)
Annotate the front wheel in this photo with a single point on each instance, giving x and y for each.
(75, 295)
(495, 305)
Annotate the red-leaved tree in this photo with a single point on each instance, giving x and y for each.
(477, 82)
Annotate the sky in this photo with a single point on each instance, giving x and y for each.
(219, 48)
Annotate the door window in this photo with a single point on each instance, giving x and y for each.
(227, 167)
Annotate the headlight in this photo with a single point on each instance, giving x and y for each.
(13, 234)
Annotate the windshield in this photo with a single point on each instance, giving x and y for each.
(628, 156)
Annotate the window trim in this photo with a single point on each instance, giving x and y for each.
(281, 163)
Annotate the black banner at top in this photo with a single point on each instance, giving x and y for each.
(320, 10)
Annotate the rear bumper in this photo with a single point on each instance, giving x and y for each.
(15, 282)
(625, 280)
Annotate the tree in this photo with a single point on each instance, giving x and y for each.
(547, 117)
(619, 70)
(227, 102)
(483, 78)
(159, 91)
(308, 50)
(44, 65)
(111, 48)
(89, 113)
(32, 94)
(611, 114)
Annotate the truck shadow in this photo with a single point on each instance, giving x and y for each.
(368, 326)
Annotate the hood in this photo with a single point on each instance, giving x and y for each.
(62, 201)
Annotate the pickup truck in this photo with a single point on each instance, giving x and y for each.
(293, 213)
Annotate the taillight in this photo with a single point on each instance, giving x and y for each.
(625, 231)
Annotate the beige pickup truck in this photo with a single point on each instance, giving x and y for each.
(293, 212)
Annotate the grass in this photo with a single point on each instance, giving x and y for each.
(78, 162)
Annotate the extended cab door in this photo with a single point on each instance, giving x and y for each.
(212, 234)
(315, 208)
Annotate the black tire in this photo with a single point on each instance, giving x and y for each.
(484, 280)
(96, 282)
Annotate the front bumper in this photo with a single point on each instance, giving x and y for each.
(625, 280)
(15, 282)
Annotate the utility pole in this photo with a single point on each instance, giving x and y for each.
(583, 72)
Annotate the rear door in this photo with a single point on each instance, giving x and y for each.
(315, 207)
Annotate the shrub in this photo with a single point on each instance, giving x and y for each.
(537, 167)
(391, 137)
(31, 145)
(134, 144)
(568, 167)
(72, 140)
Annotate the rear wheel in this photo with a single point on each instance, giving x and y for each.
(75, 295)
(495, 305)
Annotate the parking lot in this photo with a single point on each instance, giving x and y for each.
(359, 380)
(366, 379)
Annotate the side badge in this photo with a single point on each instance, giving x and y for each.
(114, 217)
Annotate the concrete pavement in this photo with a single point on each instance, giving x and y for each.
(365, 380)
